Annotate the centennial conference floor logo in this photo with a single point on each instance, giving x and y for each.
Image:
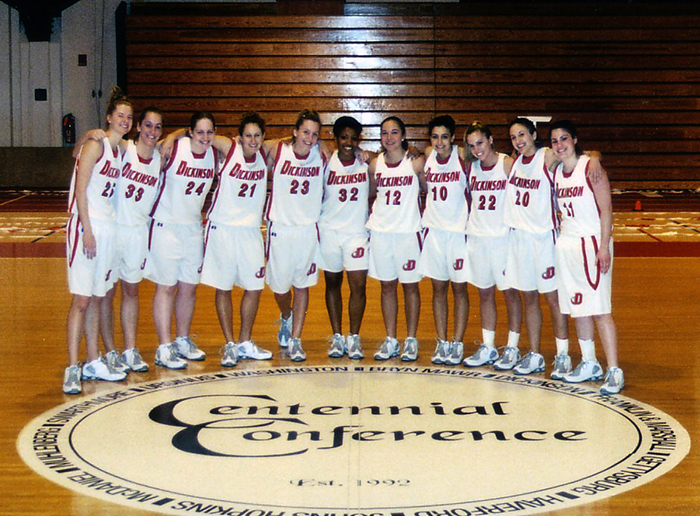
(369, 440)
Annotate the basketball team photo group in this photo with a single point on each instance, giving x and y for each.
(242, 213)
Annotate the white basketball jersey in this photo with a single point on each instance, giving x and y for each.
(345, 195)
(240, 195)
(487, 187)
(396, 208)
(137, 187)
(530, 195)
(297, 187)
(580, 215)
(446, 201)
(187, 178)
(100, 188)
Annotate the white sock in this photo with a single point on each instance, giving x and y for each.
(587, 349)
(489, 337)
(513, 339)
(562, 346)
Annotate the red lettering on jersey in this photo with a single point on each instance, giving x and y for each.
(522, 182)
(577, 299)
(289, 170)
(359, 252)
(443, 177)
(109, 171)
(312, 270)
(138, 177)
(261, 273)
(197, 173)
(349, 179)
(246, 175)
(482, 186)
(459, 264)
(549, 273)
(409, 265)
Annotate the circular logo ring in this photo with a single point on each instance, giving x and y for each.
(379, 440)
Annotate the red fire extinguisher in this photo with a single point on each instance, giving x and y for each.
(69, 129)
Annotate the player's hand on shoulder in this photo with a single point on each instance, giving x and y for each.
(94, 135)
(414, 152)
(595, 171)
(550, 159)
(168, 143)
(364, 155)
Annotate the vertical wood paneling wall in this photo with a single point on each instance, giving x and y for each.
(631, 81)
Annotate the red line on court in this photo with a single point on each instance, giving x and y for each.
(656, 249)
(651, 236)
(56, 201)
(29, 250)
(622, 249)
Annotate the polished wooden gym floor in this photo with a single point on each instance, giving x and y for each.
(656, 307)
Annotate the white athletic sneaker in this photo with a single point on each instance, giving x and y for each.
(586, 371)
(295, 351)
(388, 349)
(456, 353)
(442, 349)
(531, 363)
(250, 350)
(167, 356)
(229, 357)
(188, 349)
(614, 381)
(133, 359)
(115, 361)
(337, 348)
(509, 358)
(354, 347)
(410, 350)
(99, 369)
(562, 367)
(284, 335)
(71, 380)
(485, 355)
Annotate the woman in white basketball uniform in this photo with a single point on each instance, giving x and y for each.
(530, 212)
(584, 257)
(444, 255)
(136, 190)
(234, 252)
(487, 244)
(176, 240)
(395, 236)
(91, 236)
(293, 210)
(344, 243)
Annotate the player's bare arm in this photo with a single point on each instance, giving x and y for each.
(419, 168)
(92, 134)
(508, 165)
(601, 189)
(90, 153)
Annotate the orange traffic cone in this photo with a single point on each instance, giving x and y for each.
(638, 205)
